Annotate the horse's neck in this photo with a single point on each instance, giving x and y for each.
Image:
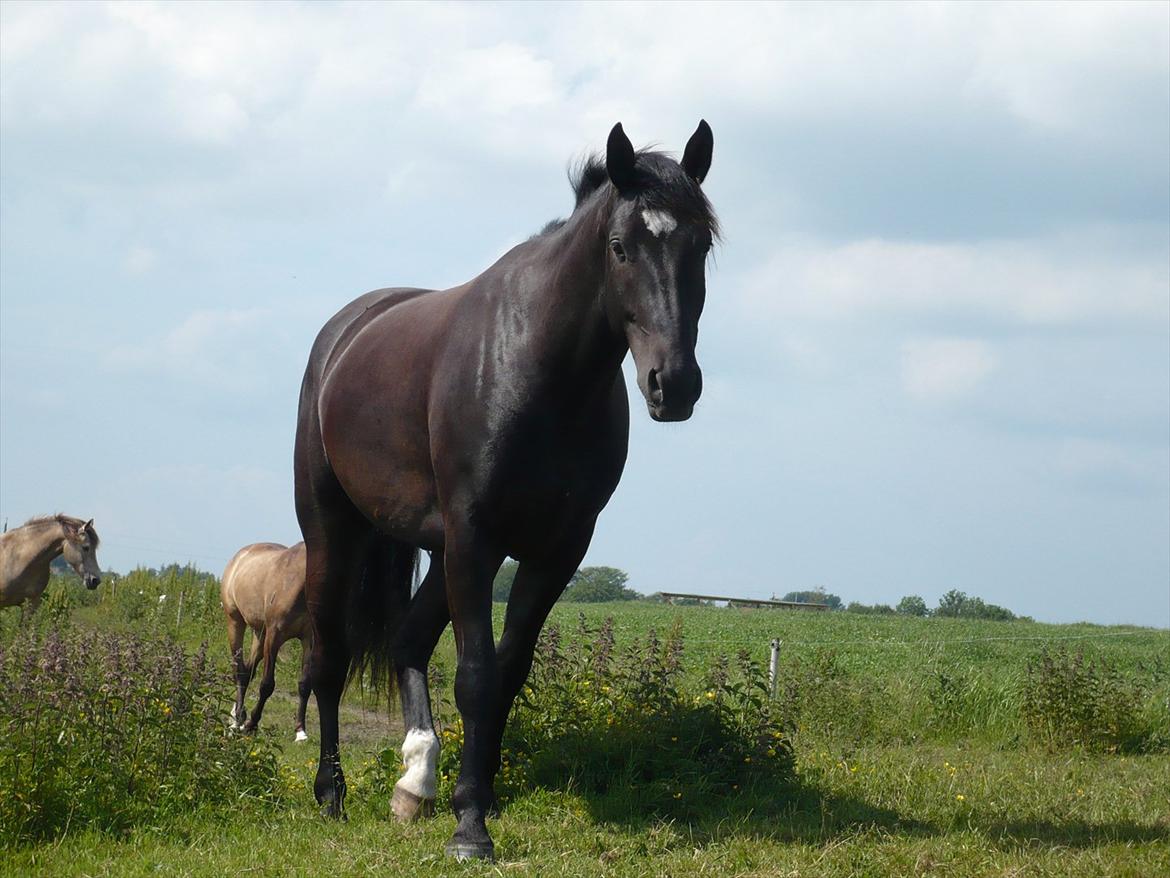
(575, 339)
(33, 552)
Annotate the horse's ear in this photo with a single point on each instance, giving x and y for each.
(619, 158)
(88, 525)
(696, 160)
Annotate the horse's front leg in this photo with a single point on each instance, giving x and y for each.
(536, 588)
(425, 619)
(470, 565)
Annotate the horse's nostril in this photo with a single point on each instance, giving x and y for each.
(653, 386)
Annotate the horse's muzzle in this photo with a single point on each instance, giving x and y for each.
(671, 394)
(92, 582)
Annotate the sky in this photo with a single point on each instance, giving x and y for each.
(936, 346)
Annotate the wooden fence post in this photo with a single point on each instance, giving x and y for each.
(773, 666)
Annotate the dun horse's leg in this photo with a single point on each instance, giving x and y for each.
(425, 619)
(273, 640)
(304, 686)
(236, 628)
(29, 609)
(469, 569)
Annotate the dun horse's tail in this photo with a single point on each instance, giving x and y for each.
(375, 605)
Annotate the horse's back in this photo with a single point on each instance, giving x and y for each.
(261, 577)
(341, 328)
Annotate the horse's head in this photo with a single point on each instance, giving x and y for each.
(80, 551)
(659, 232)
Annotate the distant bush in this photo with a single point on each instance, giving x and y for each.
(816, 596)
(659, 598)
(606, 719)
(870, 609)
(1071, 701)
(108, 732)
(956, 604)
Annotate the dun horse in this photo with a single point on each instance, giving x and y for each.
(27, 552)
(484, 421)
(263, 588)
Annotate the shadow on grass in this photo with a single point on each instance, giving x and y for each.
(801, 813)
(785, 811)
(1070, 833)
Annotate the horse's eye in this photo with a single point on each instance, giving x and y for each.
(616, 246)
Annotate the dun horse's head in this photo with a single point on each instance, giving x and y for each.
(659, 232)
(80, 552)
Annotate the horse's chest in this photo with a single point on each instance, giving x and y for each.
(544, 489)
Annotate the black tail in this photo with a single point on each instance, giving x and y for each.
(375, 606)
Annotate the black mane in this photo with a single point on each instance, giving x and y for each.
(661, 184)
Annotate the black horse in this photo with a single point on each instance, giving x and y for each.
(480, 422)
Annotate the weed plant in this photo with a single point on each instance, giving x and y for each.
(621, 724)
(1071, 701)
(111, 732)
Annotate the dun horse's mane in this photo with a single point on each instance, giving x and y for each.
(661, 184)
(61, 518)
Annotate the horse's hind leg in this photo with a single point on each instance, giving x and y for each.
(236, 628)
(273, 640)
(425, 619)
(329, 565)
(304, 686)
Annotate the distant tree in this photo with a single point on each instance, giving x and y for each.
(816, 596)
(951, 604)
(502, 585)
(870, 609)
(912, 605)
(592, 585)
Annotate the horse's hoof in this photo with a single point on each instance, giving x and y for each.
(408, 807)
(464, 850)
(332, 810)
(301, 736)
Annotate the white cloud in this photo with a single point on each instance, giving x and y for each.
(337, 85)
(944, 369)
(1065, 70)
(220, 349)
(1049, 281)
(139, 260)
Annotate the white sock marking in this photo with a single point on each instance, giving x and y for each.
(301, 736)
(659, 222)
(420, 755)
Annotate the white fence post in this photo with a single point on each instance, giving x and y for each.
(773, 666)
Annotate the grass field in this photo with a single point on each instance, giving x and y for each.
(913, 756)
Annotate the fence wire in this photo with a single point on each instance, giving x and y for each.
(923, 643)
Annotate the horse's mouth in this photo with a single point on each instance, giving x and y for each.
(670, 413)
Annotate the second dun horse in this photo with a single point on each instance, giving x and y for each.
(263, 588)
(27, 551)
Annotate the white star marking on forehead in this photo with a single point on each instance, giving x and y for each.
(659, 222)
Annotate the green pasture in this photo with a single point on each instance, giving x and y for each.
(917, 748)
